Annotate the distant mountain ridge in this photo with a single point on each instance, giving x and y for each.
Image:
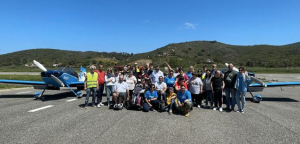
(177, 54)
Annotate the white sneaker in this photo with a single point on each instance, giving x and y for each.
(101, 104)
(220, 109)
(199, 106)
(98, 105)
(214, 108)
(170, 112)
(238, 111)
(242, 111)
(121, 105)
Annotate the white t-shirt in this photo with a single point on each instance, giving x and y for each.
(194, 85)
(160, 86)
(130, 81)
(111, 82)
(155, 76)
(121, 87)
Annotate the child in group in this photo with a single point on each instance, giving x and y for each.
(171, 99)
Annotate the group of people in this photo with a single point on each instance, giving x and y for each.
(178, 91)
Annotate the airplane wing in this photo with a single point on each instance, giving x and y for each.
(22, 82)
(75, 84)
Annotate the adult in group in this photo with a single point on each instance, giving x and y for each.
(121, 91)
(195, 86)
(110, 80)
(179, 83)
(217, 85)
(214, 69)
(131, 81)
(181, 74)
(189, 73)
(203, 72)
(208, 89)
(155, 75)
(241, 85)
(91, 85)
(184, 101)
(170, 79)
(101, 80)
(144, 76)
(229, 78)
(176, 71)
(149, 69)
(161, 88)
(151, 102)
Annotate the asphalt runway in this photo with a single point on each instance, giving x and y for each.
(61, 119)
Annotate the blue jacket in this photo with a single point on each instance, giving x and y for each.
(241, 82)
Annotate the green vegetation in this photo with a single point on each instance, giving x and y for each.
(260, 58)
(18, 77)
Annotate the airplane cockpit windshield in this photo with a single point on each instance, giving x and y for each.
(70, 71)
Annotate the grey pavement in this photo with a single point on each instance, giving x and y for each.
(279, 77)
(274, 120)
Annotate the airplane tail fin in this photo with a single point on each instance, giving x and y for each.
(82, 74)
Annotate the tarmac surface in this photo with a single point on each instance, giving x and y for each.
(60, 118)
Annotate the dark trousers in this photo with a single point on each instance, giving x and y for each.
(196, 98)
(154, 104)
(218, 98)
(100, 93)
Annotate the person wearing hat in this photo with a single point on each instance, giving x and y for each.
(156, 74)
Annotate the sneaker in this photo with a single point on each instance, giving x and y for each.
(242, 111)
(220, 109)
(121, 105)
(187, 114)
(238, 111)
(98, 106)
(116, 105)
(199, 106)
(214, 108)
(170, 111)
(211, 107)
(85, 107)
(101, 104)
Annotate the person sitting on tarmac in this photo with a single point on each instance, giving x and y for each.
(121, 90)
(151, 102)
(171, 99)
(170, 79)
(91, 85)
(184, 101)
(161, 88)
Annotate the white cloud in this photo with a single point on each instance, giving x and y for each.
(190, 25)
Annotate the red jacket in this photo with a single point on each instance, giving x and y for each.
(101, 77)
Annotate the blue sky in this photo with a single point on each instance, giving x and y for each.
(136, 26)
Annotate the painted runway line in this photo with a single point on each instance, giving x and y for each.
(41, 108)
(71, 100)
(23, 92)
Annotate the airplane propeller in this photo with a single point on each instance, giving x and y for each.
(45, 70)
(39, 65)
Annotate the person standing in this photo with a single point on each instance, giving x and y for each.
(156, 74)
(229, 78)
(217, 85)
(170, 79)
(195, 86)
(101, 80)
(241, 85)
(207, 88)
(110, 80)
(189, 73)
(91, 85)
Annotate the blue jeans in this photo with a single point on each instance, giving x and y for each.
(109, 90)
(154, 104)
(240, 96)
(88, 92)
(229, 91)
(170, 107)
(100, 93)
(209, 97)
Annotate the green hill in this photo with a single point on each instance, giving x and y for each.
(177, 54)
